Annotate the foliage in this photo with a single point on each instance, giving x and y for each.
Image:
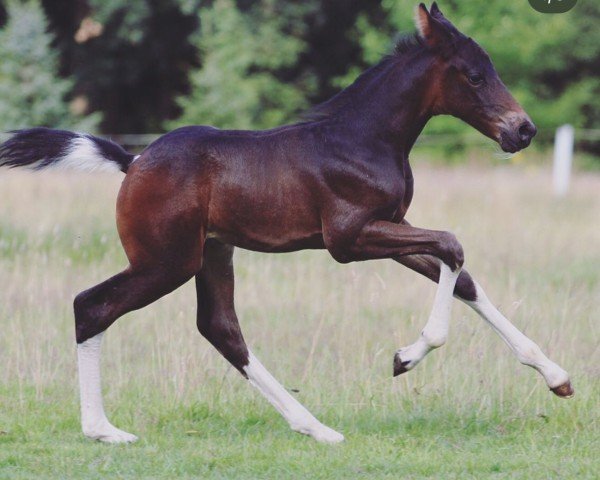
(135, 63)
(256, 63)
(31, 94)
(550, 62)
(238, 84)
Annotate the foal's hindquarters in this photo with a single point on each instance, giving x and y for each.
(162, 235)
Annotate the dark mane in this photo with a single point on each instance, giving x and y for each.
(407, 43)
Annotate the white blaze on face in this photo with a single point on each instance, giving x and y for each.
(298, 417)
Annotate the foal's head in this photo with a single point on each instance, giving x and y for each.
(467, 86)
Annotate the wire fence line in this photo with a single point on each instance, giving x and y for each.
(587, 134)
(138, 141)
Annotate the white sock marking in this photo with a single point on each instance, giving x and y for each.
(435, 333)
(298, 417)
(93, 419)
(527, 351)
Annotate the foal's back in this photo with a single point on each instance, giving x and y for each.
(215, 181)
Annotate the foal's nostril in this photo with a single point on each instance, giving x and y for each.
(527, 131)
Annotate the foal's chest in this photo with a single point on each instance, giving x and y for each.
(384, 188)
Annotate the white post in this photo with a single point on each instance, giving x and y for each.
(563, 158)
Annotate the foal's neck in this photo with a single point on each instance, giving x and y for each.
(395, 104)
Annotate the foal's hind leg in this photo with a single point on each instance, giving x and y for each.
(218, 322)
(95, 310)
(160, 223)
(471, 293)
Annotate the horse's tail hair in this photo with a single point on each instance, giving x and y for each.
(39, 148)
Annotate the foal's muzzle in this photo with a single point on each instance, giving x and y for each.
(517, 137)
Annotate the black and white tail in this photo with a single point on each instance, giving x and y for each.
(39, 148)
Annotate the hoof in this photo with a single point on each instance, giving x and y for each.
(107, 433)
(409, 357)
(321, 433)
(327, 435)
(564, 391)
(399, 366)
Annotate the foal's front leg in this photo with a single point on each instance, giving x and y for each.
(435, 332)
(390, 240)
(471, 293)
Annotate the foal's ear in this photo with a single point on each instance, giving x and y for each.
(435, 10)
(432, 27)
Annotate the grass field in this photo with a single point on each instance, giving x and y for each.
(470, 410)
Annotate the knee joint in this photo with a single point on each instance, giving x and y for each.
(452, 251)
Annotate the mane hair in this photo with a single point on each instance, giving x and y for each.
(408, 43)
(405, 44)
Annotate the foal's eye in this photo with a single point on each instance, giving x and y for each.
(475, 79)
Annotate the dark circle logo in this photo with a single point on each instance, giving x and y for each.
(552, 6)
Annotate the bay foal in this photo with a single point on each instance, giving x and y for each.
(340, 180)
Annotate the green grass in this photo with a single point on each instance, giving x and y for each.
(239, 438)
(327, 331)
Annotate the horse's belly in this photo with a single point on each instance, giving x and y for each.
(260, 243)
(280, 222)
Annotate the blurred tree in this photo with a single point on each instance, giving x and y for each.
(330, 44)
(129, 60)
(256, 63)
(31, 93)
(243, 53)
(550, 62)
(3, 14)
